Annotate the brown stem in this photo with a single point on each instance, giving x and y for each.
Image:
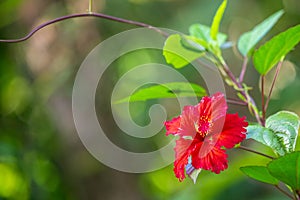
(263, 99)
(273, 83)
(256, 152)
(236, 102)
(99, 15)
(243, 71)
(242, 91)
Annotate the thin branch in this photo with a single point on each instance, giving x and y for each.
(242, 91)
(231, 76)
(284, 192)
(99, 15)
(236, 102)
(256, 152)
(263, 99)
(273, 83)
(244, 68)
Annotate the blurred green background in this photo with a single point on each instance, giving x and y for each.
(41, 156)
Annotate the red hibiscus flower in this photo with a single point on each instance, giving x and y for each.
(204, 131)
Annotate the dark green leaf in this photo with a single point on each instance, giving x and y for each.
(217, 20)
(168, 90)
(249, 39)
(177, 54)
(266, 137)
(259, 173)
(285, 125)
(280, 132)
(269, 54)
(287, 169)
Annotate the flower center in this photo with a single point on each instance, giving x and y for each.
(203, 126)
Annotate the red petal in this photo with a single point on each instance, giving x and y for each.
(216, 129)
(211, 109)
(204, 117)
(204, 107)
(179, 167)
(172, 126)
(182, 147)
(234, 131)
(182, 154)
(189, 120)
(184, 125)
(200, 116)
(214, 160)
(219, 107)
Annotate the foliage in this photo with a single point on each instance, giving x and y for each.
(278, 131)
(33, 164)
(273, 51)
(249, 39)
(168, 90)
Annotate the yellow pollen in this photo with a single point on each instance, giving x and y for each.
(202, 134)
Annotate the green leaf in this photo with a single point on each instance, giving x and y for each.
(168, 90)
(280, 132)
(177, 54)
(203, 32)
(217, 20)
(249, 39)
(266, 137)
(275, 49)
(285, 125)
(287, 169)
(259, 173)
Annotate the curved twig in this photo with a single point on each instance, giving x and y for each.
(236, 102)
(243, 71)
(256, 152)
(99, 15)
(239, 85)
(263, 99)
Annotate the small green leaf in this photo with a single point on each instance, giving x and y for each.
(200, 31)
(266, 137)
(287, 169)
(177, 54)
(259, 173)
(275, 49)
(168, 90)
(249, 39)
(217, 20)
(203, 32)
(286, 125)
